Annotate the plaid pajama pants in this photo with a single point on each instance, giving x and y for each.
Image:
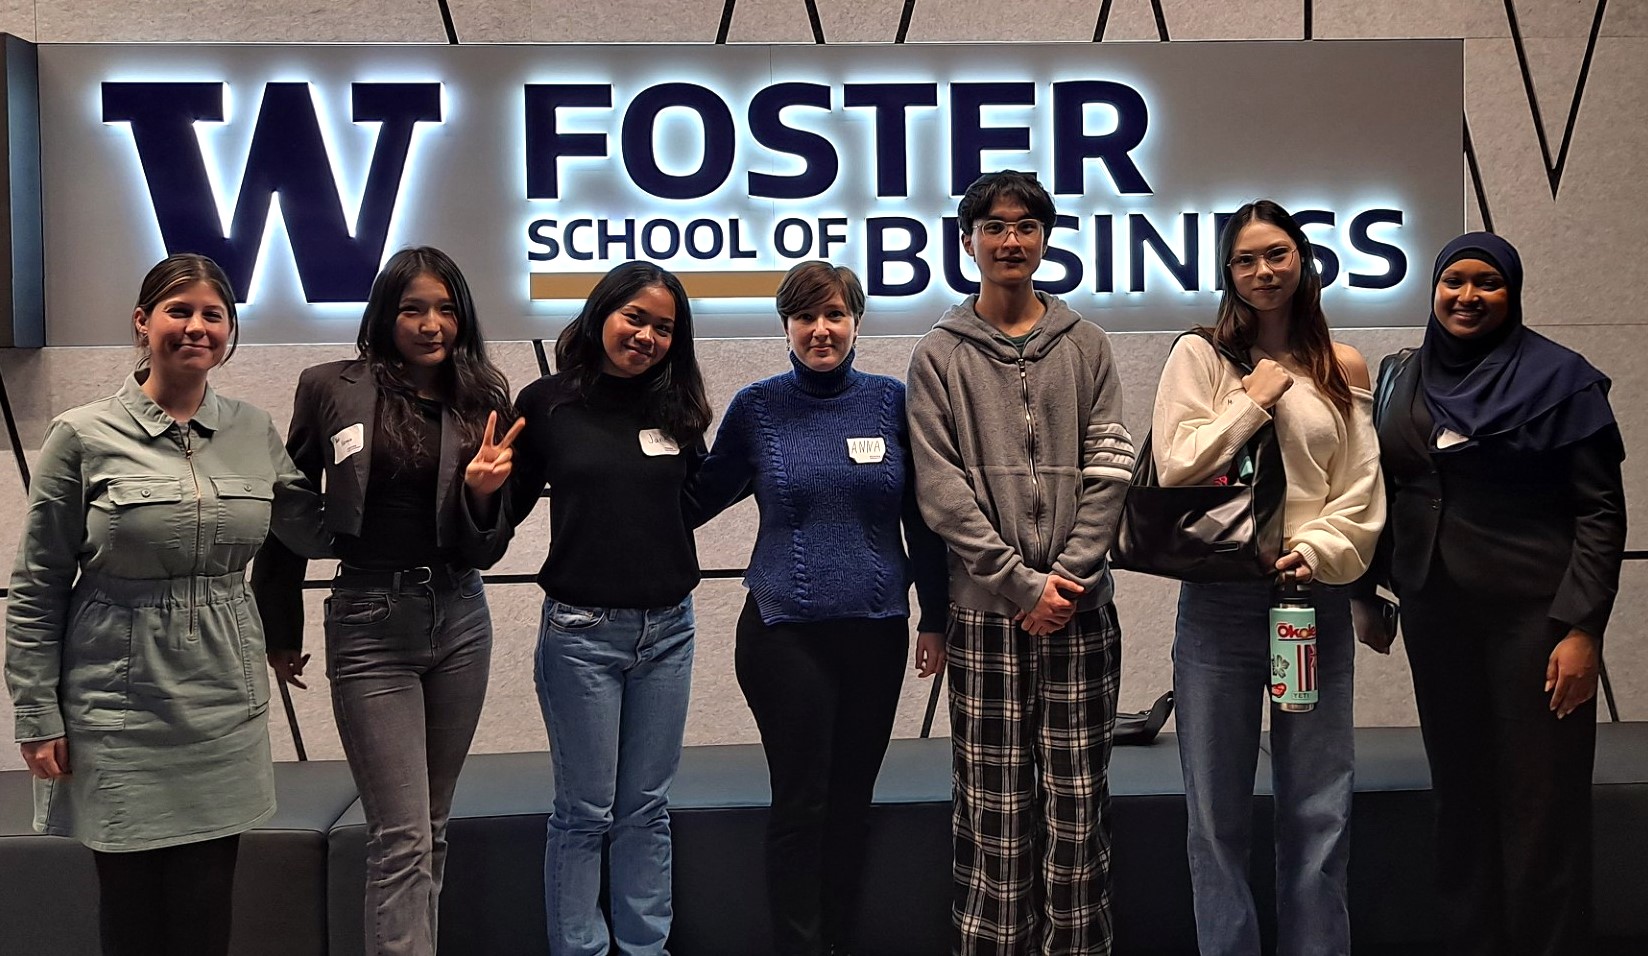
(1030, 725)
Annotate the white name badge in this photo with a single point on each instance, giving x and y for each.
(866, 451)
(655, 443)
(348, 442)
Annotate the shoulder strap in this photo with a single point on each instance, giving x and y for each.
(1240, 361)
(1389, 371)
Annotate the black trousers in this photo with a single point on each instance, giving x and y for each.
(824, 695)
(174, 901)
(1512, 782)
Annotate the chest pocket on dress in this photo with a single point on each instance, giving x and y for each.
(147, 512)
(243, 508)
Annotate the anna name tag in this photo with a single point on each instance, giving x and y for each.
(866, 451)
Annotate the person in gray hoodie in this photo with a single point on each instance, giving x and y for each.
(1022, 463)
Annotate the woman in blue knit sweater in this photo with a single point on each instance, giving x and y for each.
(825, 630)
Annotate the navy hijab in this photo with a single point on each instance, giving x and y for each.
(1513, 385)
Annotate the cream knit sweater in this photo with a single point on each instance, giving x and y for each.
(1336, 494)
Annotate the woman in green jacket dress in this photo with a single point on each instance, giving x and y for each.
(134, 653)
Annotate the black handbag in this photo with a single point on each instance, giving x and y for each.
(1227, 530)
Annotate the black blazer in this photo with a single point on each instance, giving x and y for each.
(1500, 524)
(330, 399)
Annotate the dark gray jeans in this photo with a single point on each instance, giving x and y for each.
(408, 671)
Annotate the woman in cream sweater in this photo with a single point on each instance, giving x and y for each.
(1206, 411)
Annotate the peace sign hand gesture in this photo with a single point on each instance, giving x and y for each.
(491, 465)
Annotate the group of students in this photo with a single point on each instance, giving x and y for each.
(1485, 491)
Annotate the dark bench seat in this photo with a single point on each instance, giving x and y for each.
(298, 890)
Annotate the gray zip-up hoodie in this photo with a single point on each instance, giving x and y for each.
(1022, 461)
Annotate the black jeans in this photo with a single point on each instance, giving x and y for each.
(175, 901)
(1512, 782)
(824, 694)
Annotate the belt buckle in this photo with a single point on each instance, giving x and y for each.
(412, 575)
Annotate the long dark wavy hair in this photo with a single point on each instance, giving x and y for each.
(676, 387)
(467, 381)
(176, 272)
(1238, 325)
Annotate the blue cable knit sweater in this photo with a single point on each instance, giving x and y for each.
(829, 544)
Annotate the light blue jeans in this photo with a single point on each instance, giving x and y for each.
(1221, 670)
(613, 684)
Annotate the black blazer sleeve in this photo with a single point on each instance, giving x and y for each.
(278, 572)
(1586, 596)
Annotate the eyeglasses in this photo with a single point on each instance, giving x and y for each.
(1025, 229)
(1276, 257)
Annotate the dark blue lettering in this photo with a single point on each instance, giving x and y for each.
(605, 239)
(781, 241)
(890, 101)
(719, 137)
(735, 248)
(1363, 242)
(538, 233)
(953, 276)
(697, 228)
(672, 233)
(876, 230)
(1327, 261)
(828, 236)
(567, 235)
(970, 138)
(767, 126)
(545, 146)
(1104, 253)
(1073, 146)
(287, 156)
(1185, 269)
(1067, 260)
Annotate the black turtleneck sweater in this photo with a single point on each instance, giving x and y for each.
(618, 537)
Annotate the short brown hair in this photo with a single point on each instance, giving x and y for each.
(807, 285)
(175, 272)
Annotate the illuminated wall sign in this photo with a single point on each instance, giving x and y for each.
(302, 168)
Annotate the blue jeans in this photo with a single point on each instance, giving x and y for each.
(613, 684)
(1221, 670)
(409, 670)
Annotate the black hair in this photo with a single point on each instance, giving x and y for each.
(1012, 184)
(1237, 323)
(676, 386)
(469, 383)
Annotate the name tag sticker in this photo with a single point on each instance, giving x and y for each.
(655, 443)
(867, 451)
(348, 442)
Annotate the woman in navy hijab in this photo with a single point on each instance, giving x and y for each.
(1503, 545)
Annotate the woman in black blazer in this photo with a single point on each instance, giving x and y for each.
(1503, 544)
(411, 478)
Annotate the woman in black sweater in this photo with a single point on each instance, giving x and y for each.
(615, 434)
(1503, 544)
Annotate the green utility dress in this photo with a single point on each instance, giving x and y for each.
(130, 628)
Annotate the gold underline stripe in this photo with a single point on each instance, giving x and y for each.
(699, 285)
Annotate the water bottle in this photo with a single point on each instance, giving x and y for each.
(1293, 646)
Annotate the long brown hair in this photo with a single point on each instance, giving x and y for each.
(177, 272)
(1237, 326)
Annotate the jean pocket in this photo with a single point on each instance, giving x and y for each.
(569, 617)
(471, 586)
(358, 609)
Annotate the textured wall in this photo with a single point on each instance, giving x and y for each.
(1557, 153)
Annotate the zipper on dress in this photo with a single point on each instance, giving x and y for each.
(1030, 448)
(189, 456)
